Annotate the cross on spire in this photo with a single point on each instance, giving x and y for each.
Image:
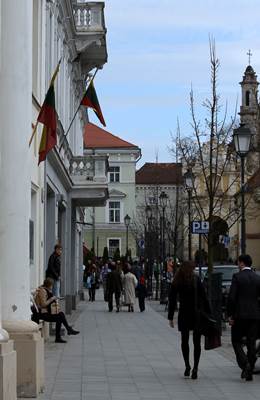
(249, 56)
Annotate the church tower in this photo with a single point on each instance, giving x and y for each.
(249, 113)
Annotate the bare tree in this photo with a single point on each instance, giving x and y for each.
(208, 152)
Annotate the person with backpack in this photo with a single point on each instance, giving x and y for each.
(49, 309)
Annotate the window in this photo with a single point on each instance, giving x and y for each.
(114, 211)
(113, 245)
(114, 174)
(151, 200)
(247, 98)
(31, 243)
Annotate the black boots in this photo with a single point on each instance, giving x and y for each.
(60, 340)
(71, 331)
(194, 374)
(187, 371)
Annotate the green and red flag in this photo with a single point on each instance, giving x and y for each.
(48, 118)
(90, 100)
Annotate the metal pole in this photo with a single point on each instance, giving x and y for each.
(189, 215)
(163, 244)
(243, 219)
(200, 260)
(97, 246)
(127, 242)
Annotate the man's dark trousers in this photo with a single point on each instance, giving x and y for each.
(110, 300)
(245, 328)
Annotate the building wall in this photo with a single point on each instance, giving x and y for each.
(253, 228)
(123, 192)
(149, 195)
(37, 172)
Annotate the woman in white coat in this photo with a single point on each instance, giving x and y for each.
(130, 283)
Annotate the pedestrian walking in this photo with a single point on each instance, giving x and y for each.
(141, 293)
(104, 272)
(130, 283)
(192, 296)
(54, 269)
(244, 315)
(114, 288)
(92, 283)
(49, 309)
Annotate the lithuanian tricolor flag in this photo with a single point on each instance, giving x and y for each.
(90, 100)
(48, 118)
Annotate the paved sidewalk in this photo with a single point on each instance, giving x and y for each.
(134, 356)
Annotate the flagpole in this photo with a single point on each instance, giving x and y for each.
(70, 125)
(51, 83)
(33, 133)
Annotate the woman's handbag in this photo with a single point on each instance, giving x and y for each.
(207, 326)
(212, 340)
(55, 307)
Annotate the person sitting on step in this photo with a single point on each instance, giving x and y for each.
(49, 309)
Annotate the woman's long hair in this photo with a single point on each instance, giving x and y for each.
(185, 274)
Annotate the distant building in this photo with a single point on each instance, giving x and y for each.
(151, 180)
(250, 115)
(107, 227)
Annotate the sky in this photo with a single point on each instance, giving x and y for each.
(157, 49)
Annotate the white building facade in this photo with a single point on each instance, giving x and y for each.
(42, 206)
(107, 227)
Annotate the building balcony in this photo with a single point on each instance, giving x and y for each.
(90, 34)
(89, 179)
(86, 169)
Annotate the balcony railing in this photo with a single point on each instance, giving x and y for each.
(88, 169)
(88, 16)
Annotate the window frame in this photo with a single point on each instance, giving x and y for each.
(114, 174)
(114, 209)
(119, 246)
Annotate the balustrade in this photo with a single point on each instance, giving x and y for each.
(82, 169)
(88, 16)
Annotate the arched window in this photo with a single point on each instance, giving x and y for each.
(247, 98)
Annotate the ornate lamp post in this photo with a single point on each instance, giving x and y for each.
(189, 182)
(149, 213)
(127, 221)
(163, 203)
(242, 140)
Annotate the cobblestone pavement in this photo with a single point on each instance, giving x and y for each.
(226, 349)
(134, 356)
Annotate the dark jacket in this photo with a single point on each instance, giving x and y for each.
(114, 282)
(53, 270)
(244, 295)
(191, 297)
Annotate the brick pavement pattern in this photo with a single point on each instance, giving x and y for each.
(134, 356)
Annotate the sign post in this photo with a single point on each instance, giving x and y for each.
(200, 228)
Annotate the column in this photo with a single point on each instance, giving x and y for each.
(15, 130)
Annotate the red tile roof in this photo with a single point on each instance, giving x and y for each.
(98, 138)
(159, 174)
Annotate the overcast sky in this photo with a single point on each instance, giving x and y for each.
(156, 49)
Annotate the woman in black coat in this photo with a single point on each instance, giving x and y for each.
(192, 296)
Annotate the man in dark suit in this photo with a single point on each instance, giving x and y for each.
(244, 314)
(114, 286)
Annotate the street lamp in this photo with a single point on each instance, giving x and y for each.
(189, 182)
(242, 140)
(127, 221)
(148, 244)
(163, 203)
